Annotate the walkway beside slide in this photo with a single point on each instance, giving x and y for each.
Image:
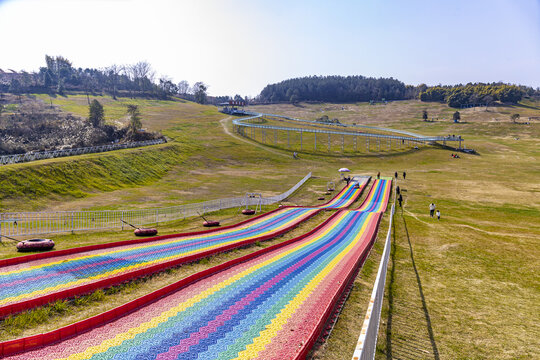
(36, 282)
(272, 305)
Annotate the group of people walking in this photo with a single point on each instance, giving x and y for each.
(433, 211)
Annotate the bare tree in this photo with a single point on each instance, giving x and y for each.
(488, 99)
(143, 73)
(114, 71)
(183, 87)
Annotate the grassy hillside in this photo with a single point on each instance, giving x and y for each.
(34, 185)
(462, 287)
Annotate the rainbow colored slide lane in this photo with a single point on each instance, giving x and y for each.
(348, 195)
(268, 305)
(32, 283)
(378, 196)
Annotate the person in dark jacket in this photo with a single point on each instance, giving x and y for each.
(400, 199)
(379, 175)
(395, 174)
(398, 190)
(431, 209)
(404, 174)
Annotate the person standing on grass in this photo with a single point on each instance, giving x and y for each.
(400, 199)
(431, 209)
(395, 174)
(379, 175)
(398, 190)
(404, 174)
(438, 215)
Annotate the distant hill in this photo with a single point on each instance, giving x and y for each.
(343, 89)
(337, 89)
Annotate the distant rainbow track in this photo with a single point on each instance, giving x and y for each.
(35, 282)
(378, 196)
(348, 195)
(267, 305)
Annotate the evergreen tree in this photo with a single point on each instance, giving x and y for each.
(134, 118)
(199, 91)
(456, 116)
(424, 115)
(96, 114)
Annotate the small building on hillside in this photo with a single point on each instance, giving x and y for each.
(232, 107)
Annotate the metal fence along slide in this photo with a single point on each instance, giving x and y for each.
(269, 304)
(35, 223)
(367, 341)
(50, 154)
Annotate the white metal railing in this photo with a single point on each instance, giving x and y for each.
(34, 223)
(49, 154)
(367, 341)
(244, 122)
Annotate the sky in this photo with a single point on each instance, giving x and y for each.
(240, 46)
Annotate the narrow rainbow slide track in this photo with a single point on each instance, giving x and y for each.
(348, 195)
(378, 196)
(267, 305)
(36, 282)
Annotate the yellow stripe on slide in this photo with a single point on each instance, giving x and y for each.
(60, 287)
(146, 245)
(288, 311)
(163, 317)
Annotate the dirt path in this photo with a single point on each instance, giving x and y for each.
(223, 123)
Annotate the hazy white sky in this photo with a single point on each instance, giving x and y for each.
(239, 46)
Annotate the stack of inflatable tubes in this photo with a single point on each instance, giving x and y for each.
(333, 237)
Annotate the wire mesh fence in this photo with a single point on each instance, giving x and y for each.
(40, 155)
(35, 223)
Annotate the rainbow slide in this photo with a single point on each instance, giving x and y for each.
(63, 274)
(378, 196)
(348, 195)
(271, 304)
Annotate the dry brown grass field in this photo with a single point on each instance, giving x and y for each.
(464, 287)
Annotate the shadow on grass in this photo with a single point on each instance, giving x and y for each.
(391, 290)
(525, 106)
(391, 308)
